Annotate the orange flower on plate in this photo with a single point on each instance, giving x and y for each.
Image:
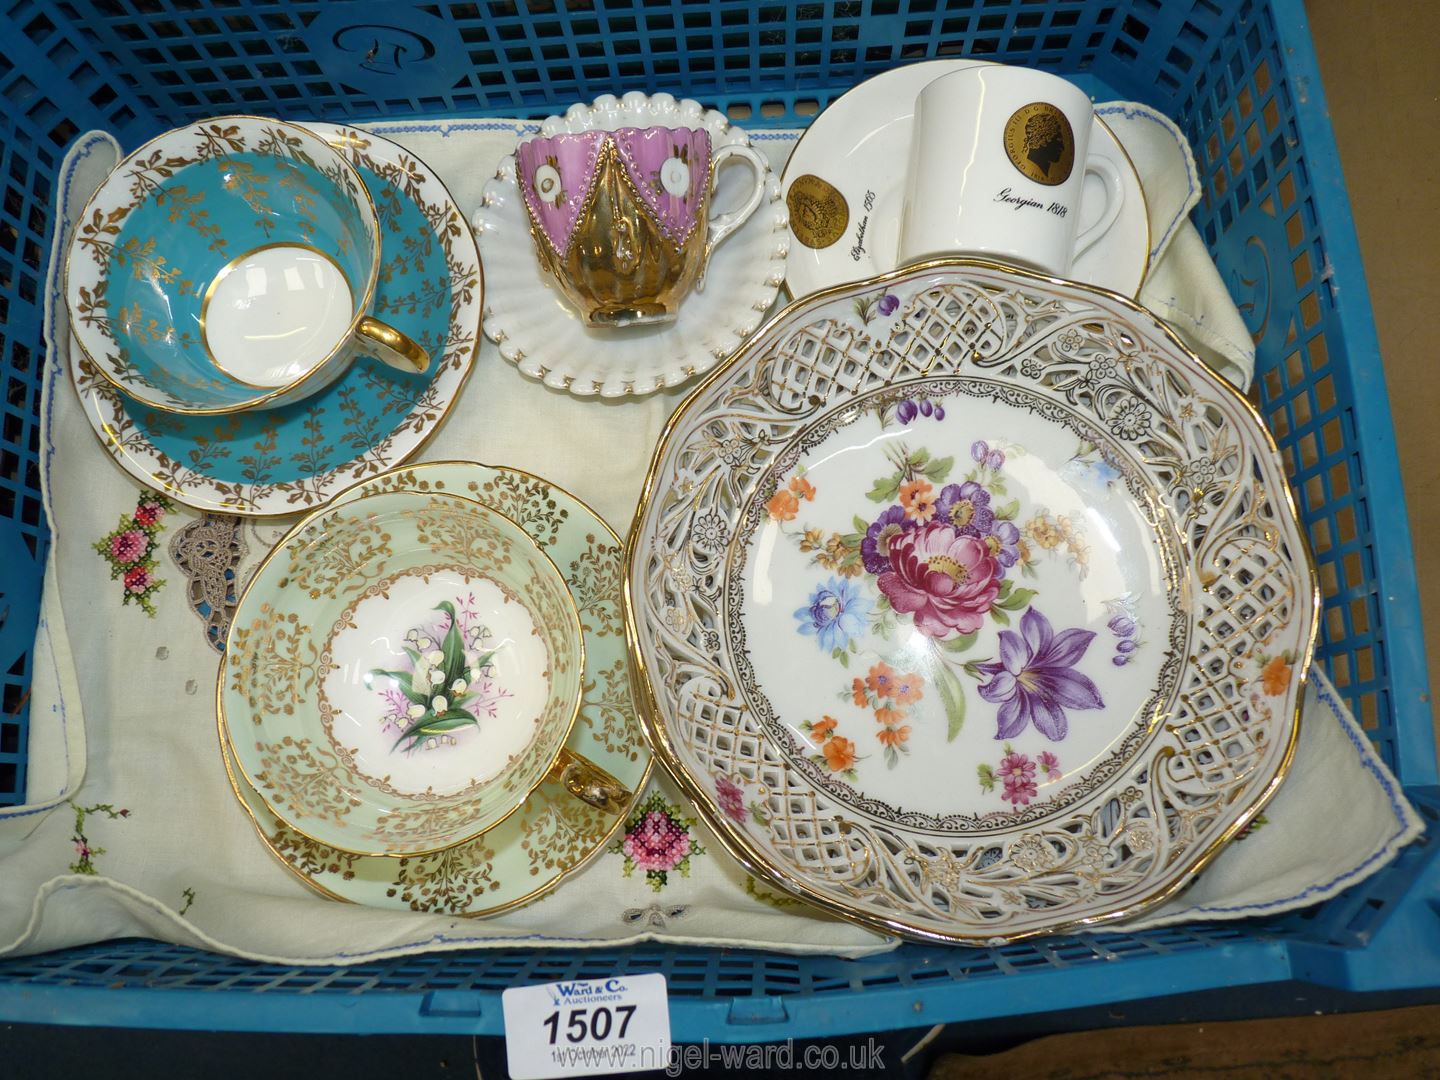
(908, 687)
(783, 506)
(917, 499)
(888, 715)
(881, 679)
(839, 753)
(857, 691)
(822, 729)
(894, 736)
(1275, 676)
(802, 487)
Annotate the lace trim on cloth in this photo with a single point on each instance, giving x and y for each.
(209, 551)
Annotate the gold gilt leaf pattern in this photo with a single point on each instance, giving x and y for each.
(305, 778)
(472, 536)
(595, 581)
(274, 662)
(379, 429)
(609, 711)
(405, 825)
(310, 858)
(448, 881)
(355, 552)
(566, 830)
(526, 501)
(550, 605)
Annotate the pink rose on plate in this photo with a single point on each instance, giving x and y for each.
(658, 842)
(947, 581)
(732, 799)
(127, 546)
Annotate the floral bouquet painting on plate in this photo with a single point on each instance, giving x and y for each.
(450, 685)
(953, 584)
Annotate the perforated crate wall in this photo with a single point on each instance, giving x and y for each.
(1240, 79)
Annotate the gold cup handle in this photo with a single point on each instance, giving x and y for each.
(588, 782)
(722, 225)
(394, 348)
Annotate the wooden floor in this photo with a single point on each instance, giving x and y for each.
(1403, 1044)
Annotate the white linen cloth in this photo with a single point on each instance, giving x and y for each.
(122, 704)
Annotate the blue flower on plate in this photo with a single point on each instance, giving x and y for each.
(835, 614)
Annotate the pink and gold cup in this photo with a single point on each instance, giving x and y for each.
(621, 219)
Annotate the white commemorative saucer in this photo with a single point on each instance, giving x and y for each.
(849, 168)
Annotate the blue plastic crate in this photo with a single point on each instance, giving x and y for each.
(1240, 78)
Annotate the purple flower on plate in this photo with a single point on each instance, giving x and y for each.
(926, 407)
(1035, 678)
(965, 506)
(1003, 539)
(995, 460)
(979, 450)
(875, 547)
(1122, 626)
(906, 411)
(888, 303)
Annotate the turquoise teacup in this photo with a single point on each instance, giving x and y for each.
(230, 265)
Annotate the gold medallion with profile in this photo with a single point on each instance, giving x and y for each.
(1039, 143)
(818, 212)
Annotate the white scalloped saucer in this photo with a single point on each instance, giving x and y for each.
(537, 329)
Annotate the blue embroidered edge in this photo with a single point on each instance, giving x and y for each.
(82, 150)
(1399, 806)
(1133, 113)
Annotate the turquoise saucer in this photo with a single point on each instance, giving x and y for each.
(279, 461)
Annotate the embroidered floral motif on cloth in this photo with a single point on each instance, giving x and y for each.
(85, 852)
(130, 550)
(657, 840)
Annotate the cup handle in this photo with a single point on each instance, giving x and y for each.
(588, 782)
(722, 225)
(394, 348)
(1114, 200)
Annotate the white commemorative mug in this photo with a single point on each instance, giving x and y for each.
(998, 159)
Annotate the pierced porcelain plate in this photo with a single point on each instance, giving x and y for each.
(278, 461)
(541, 333)
(852, 147)
(987, 593)
(553, 834)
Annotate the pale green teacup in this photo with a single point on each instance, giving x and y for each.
(402, 671)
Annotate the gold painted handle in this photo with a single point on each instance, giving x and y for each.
(396, 349)
(588, 782)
